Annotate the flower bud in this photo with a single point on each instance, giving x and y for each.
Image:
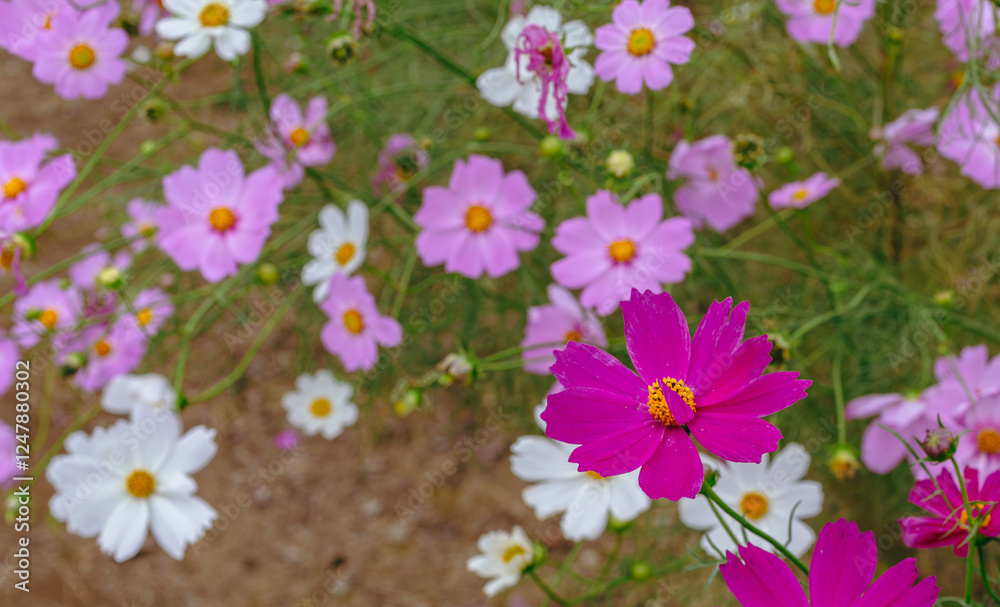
(147, 148)
(342, 48)
(785, 155)
(640, 571)
(267, 273)
(551, 147)
(844, 462)
(296, 63)
(748, 150)
(409, 401)
(482, 133)
(110, 278)
(620, 163)
(154, 110)
(539, 554)
(616, 524)
(456, 366)
(944, 298)
(164, 51)
(939, 445)
(74, 362)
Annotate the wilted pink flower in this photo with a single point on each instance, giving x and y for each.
(9, 355)
(641, 43)
(84, 273)
(356, 329)
(141, 224)
(971, 137)
(813, 20)
(561, 321)
(286, 440)
(801, 194)
(29, 187)
(615, 249)
(294, 141)
(550, 65)
(110, 351)
(150, 309)
(960, 19)
(47, 309)
(398, 161)
(217, 217)
(718, 192)
(949, 525)
(913, 127)
(479, 222)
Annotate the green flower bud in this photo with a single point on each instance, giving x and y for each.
(267, 273)
(482, 133)
(640, 571)
(551, 147)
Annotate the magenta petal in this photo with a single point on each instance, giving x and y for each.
(581, 365)
(895, 588)
(738, 372)
(579, 415)
(657, 336)
(621, 452)
(679, 409)
(930, 532)
(766, 395)
(674, 470)
(761, 580)
(842, 566)
(734, 438)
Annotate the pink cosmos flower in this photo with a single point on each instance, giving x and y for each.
(641, 42)
(356, 329)
(971, 369)
(9, 355)
(216, 217)
(29, 186)
(549, 63)
(958, 19)
(110, 351)
(150, 309)
(979, 445)
(150, 11)
(708, 389)
(801, 194)
(913, 127)
(398, 161)
(561, 321)
(8, 459)
(717, 192)
(47, 309)
(294, 141)
(616, 248)
(971, 137)
(84, 273)
(24, 22)
(841, 575)
(479, 222)
(949, 525)
(813, 20)
(81, 54)
(141, 224)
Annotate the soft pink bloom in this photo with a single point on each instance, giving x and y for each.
(356, 329)
(295, 141)
(550, 65)
(970, 136)
(801, 194)
(150, 309)
(23, 23)
(9, 355)
(979, 445)
(30, 186)
(615, 249)
(398, 161)
(216, 217)
(81, 54)
(812, 20)
(150, 11)
(708, 389)
(286, 440)
(971, 369)
(110, 351)
(841, 574)
(47, 309)
(958, 19)
(8, 455)
(141, 224)
(479, 222)
(561, 321)
(84, 273)
(913, 127)
(718, 192)
(641, 42)
(949, 525)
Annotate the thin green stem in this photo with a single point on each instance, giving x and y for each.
(549, 592)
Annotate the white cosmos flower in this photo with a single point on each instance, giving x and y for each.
(338, 247)
(320, 404)
(501, 87)
(504, 558)
(131, 478)
(200, 23)
(766, 494)
(124, 392)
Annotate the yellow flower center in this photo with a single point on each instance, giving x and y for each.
(753, 505)
(345, 253)
(102, 348)
(594, 475)
(145, 316)
(713, 174)
(989, 441)
(573, 335)
(81, 56)
(977, 511)
(299, 137)
(641, 42)
(621, 251)
(958, 79)
(478, 218)
(147, 230)
(140, 483)
(222, 219)
(214, 15)
(353, 321)
(6, 259)
(801, 194)
(14, 187)
(49, 318)
(320, 407)
(658, 404)
(512, 553)
(825, 7)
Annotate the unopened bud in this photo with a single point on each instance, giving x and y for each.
(551, 147)
(940, 444)
(640, 571)
(409, 401)
(620, 163)
(844, 463)
(267, 273)
(482, 133)
(110, 278)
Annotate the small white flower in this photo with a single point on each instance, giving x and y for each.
(200, 23)
(338, 247)
(124, 392)
(504, 558)
(320, 404)
(766, 494)
(131, 478)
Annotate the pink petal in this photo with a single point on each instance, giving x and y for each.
(582, 365)
(621, 452)
(842, 566)
(580, 415)
(761, 580)
(734, 438)
(657, 336)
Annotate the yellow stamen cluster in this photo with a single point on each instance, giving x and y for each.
(573, 335)
(621, 251)
(81, 57)
(49, 318)
(299, 137)
(512, 553)
(801, 194)
(345, 253)
(825, 7)
(989, 441)
(320, 407)
(140, 483)
(222, 219)
(353, 321)
(14, 187)
(658, 404)
(641, 42)
(144, 317)
(102, 348)
(214, 15)
(478, 218)
(754, 505)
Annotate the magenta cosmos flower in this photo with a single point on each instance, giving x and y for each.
(398, 162)
(801, 194)
(561, 321)
(296, 141)
(46, 310)
(216, 217)
(29, 186)
(81, 54)
(356, 329)
(718, 192)
(641, 42)
(913, 127)
(479, 222)
(110, 351)
(970, 137)
(949, 523)
(615, 249)
(708, 389)
(841, 575)
(141, 223)
(813, 20)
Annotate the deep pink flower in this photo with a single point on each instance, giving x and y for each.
(296, 141)
(356, 329)
(913, 127)
(110, 351)
(949, 525)
(216, 217)
(616, 248)
(150, 309)
(47, 309)
(398, 161)
(970, 136)
(717, 192)
(813, 20)
(141, 224)
(84, 273)
(29, 186)
(708, 389)
(641, 42)
(841, 575)
(801, 194)
(549, 63)
(561, 321)
(479, 222)
(9, 355)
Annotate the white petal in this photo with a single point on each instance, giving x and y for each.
(157, 431)
(175, 29)
(193, 451)
(195, 45)
(177, 522)
(577, 34)
(806, 498)
(789, 466)
(586, 517)
(233, 43)
(357, 219)
(332, 220)
(125, 530)
(247, 13)
(696, 513)
(536, 458)
(628, 500)
(551, 497)
(498, 86)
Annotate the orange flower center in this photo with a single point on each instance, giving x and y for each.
(140, 483)
(801, 194)
(14, 187)
(641, 42)
(658, 404)
(353, 321)
(222, 219)
(214, 15)
(713, 174)
(512, 553)
(753, 505)
(6, 259)
(573, 335)
(621, 251)
(299, 137)
(147, 230)
(320, 407)
(345, 253)
(145, 316)
(989, 441)
(478, 218)
(49, 318)
(825, 7)
(977, 511)
(102, 348)
(81, 56)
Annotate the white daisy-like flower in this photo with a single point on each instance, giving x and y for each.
(501, 87)
(200, 24)
(338, 247)
(504, 558)
(320, 404)
(122, 482)
(768, 494)
(125, 392)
